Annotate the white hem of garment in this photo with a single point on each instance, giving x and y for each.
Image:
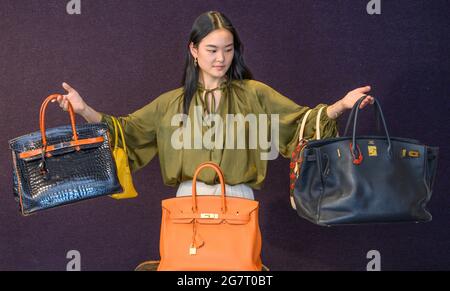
(238, 190)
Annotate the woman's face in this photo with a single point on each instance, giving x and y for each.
(214, 53)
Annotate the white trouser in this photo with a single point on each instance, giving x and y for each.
(239, 190)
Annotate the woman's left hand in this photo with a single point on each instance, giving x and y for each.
(353, 96)
(347, 102)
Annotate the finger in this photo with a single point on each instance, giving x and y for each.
(363, 89)
(67, 87)
(369, 99)
(364, 103)
(54, 100)
(65, 105)
(61, 101)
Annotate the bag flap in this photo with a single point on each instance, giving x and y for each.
(239, 210)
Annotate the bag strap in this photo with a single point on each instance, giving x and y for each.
(302, 127)
(117, 129)
(46, 149)
(296, 165)
(353, 145)
(215, 167)
(305, 117)
(352, 114)
(116, 135)
(42, 165)
(42, 119)
(318, 122)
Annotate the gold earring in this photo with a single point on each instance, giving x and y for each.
(195, 62)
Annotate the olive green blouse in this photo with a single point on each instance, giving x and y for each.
(150, 130)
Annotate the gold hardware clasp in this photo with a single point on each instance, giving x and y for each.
(209, 215)
(372, 151)
(414, 154)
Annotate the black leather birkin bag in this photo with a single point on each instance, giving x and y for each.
(62, 165)
(365, 179)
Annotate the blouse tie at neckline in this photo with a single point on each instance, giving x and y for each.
(210, 106)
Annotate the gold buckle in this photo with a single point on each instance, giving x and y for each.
(209, 215)
(414, 154)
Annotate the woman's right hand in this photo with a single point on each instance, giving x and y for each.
(77, 102)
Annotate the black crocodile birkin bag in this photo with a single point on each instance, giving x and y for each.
(62, 165)
(364, 179)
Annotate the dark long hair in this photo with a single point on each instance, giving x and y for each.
(203, 25)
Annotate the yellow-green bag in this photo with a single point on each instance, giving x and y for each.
(123, 168)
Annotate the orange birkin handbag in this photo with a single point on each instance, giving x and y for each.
(210, 232)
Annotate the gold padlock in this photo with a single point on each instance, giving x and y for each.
(192, 250)
(372, 151)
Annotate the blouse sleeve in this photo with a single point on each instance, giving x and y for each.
(290, 118)
(139, 130)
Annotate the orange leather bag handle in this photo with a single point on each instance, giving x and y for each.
(42, 119)
(194, 184)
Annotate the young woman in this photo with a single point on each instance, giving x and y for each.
(216, 81)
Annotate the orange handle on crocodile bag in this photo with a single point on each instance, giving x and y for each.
(46, 149)
(42, 118)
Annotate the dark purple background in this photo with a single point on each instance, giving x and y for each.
(120, 55)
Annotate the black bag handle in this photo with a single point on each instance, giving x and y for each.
(356, 109)
(351, 116)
